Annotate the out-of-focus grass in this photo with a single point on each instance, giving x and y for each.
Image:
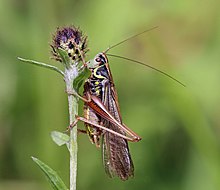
(179, 126)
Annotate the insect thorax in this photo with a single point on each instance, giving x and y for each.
(98, 80)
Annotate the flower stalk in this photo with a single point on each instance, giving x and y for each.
(70, 75)
(69, 47)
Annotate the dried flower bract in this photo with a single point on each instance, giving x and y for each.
(71, 40)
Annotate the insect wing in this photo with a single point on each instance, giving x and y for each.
(116, 156)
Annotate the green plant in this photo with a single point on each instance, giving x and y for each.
(69, 47)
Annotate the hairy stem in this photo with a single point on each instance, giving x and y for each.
(70, 74)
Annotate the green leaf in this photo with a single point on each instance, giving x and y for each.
(64, 56)
(79, 80)
(60, 138)
(41, 64)
(51, 175)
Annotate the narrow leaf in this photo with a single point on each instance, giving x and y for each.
(79, 80)
(60, 138)
(51, 175)
(45, 65)
(64, 56)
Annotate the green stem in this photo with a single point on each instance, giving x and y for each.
(70, 74)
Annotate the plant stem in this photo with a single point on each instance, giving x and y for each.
(70, 74)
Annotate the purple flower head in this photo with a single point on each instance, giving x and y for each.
(72, 41)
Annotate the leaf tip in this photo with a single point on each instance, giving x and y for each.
(33, 158)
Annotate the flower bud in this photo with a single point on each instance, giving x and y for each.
(72, 41)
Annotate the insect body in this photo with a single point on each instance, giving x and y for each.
(102, 119)
(116, 156)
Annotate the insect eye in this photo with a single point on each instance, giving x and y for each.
(98, 59)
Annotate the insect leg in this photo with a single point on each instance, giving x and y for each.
(87, 99)
(78, 130)
(78, 118)
(100, 109)
(81, 131)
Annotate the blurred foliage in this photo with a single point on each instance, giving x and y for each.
(180, 126)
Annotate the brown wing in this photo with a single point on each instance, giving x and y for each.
(116, 156)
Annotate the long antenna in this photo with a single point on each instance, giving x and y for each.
(121, 42)
(151, 67)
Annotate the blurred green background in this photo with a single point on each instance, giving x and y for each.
(180, 126)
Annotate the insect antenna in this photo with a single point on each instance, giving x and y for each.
(149, 66)
(121, 42)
